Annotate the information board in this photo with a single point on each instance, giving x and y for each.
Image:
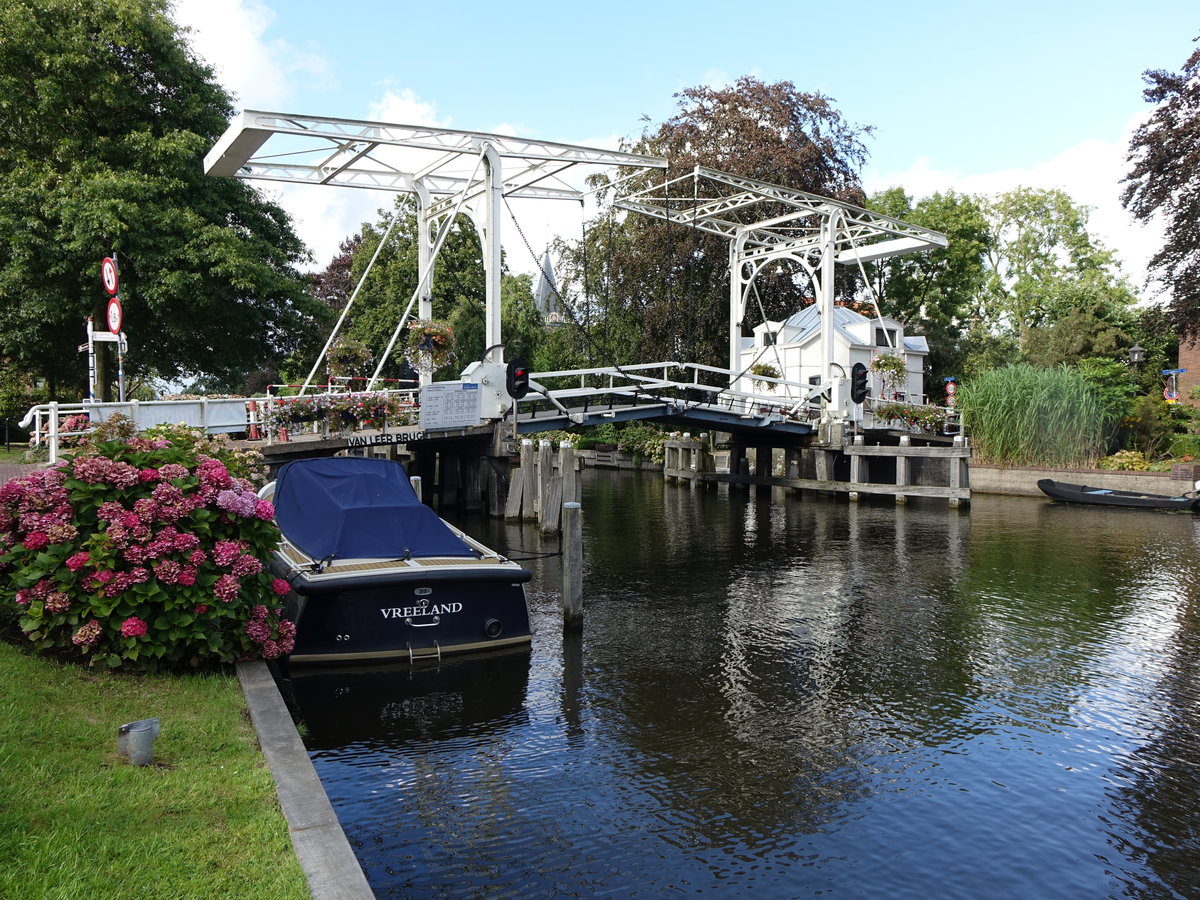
(449, 404)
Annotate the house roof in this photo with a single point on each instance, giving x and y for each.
(808, 323)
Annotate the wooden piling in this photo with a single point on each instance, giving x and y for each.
(572, 592)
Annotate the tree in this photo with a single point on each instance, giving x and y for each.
(935, 293)
(1040, 247)
(662, 289)
(105, 116)
(458, 289)
(1165, 181)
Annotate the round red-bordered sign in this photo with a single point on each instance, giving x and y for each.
(114, 316)
(108, 275)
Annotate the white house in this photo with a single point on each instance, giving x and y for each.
(793, 347)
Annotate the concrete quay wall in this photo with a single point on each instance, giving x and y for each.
(1022, 480)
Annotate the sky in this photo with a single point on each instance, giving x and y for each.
(979, 97)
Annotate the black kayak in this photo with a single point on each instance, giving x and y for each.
(1080, 493)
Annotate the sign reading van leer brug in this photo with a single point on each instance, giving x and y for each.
(449, 404)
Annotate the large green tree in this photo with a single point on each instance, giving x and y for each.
(648, 289)
(1039, 254)
(935, 293)
(1165, 181)
(105, 116)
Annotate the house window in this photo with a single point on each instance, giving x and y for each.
(768, 338)
(814, 380)
(886, 337)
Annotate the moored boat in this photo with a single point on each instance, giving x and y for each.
(1080, 493)
(376, 574)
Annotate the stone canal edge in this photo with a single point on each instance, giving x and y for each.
(329, 864)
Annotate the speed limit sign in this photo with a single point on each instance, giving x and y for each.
(108, 274)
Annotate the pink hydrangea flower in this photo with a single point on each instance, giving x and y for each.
(264, 509)
(225, 552)
(226, 588)
(258, 631)
(36, 540)
(246, 565)
(77, 561)
(133, 627)
(281, 587)
(259, 612)
(57, 602)
(200, 609)
(147, 475)
(168, 571)
(187, 576)
(87, 635)
(61, 533)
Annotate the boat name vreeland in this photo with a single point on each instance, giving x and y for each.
(432, 609)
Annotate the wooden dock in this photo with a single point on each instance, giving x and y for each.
(900, 469)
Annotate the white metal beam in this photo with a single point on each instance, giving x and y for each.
(437, 163)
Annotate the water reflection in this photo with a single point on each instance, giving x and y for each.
(794, 696)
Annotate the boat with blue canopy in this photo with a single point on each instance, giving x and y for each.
(376, 574)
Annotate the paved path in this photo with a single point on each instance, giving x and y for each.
(16, 470)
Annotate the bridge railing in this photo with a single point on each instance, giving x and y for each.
(697, 383)
(46, 421)
(677, 382)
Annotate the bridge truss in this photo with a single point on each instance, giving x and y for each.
(449, 171)
(765, 223)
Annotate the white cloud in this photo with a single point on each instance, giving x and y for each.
(231, 36)
(1090, 172)
(403, 107)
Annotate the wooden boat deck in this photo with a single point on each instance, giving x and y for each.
(301, 560)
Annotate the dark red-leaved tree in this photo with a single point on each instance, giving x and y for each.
(1165, 181)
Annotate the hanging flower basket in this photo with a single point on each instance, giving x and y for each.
(765, 370)
(429, 345)
(348, 358)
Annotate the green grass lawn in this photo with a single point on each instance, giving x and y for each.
(14, 454)
(76, 820)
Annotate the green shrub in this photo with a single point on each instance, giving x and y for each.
(1185, 445)
(1025, 415)
(1125, 461)
(142, 552)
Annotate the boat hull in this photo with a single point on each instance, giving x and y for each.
(1080, 493)
(410, 619)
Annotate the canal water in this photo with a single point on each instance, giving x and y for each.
(792, 698)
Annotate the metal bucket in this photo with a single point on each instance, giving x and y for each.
(135, 740)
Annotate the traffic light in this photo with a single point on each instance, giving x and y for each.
(858, 383)
(517, 379)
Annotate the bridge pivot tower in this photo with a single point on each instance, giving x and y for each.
(765, 223)
(449, 171)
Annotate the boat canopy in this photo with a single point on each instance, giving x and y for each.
(358, 508)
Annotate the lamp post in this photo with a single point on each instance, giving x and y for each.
(1136, 354)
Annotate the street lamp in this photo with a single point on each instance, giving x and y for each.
(1136, 354)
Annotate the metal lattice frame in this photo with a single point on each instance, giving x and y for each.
(765, 222)
(448, 170)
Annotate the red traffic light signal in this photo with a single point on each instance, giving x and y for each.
(517, 379)
(859, 388)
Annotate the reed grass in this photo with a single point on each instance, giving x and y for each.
(78, 821)
(1027, 415)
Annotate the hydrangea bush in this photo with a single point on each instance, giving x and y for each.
(146, 552)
